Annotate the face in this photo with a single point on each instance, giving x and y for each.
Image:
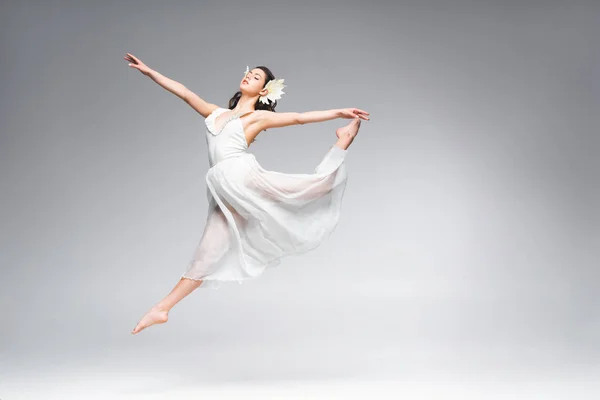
(254, 82)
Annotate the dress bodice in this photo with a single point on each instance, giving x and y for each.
(228, 142)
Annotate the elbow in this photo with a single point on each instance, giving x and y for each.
(300, 119)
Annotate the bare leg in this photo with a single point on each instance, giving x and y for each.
(159, 314)
(346, 134)
(212, 245)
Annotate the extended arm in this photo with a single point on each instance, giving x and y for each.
(196, 102)
(270, 119)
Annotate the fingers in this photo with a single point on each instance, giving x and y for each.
(356, 113)
(133, 57)
(361, 114)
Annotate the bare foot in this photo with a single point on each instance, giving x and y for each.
(154, 316)
(347, 133)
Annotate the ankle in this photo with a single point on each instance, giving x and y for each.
(343, 143)
(161, 307)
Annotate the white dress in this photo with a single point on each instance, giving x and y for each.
(255, 216)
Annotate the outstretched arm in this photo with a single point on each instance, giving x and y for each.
(196, 102)
(270, 119)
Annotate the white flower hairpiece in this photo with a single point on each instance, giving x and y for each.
(274, 89)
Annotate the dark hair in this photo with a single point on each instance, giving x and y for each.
(259, 104)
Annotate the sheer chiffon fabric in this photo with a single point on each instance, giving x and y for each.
(256, 216)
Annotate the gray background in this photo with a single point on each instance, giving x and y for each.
(469, 239)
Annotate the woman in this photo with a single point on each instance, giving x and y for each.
(255, 216)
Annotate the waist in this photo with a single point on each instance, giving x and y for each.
(230, 156)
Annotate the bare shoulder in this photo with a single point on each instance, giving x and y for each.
(260, 118)
(259, 114)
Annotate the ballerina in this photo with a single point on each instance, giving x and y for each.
(255, 216)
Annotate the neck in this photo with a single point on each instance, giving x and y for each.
(246, 104)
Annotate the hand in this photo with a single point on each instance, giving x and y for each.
(353, 113)
(135, 62)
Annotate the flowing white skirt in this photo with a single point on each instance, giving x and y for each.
(257, 216)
